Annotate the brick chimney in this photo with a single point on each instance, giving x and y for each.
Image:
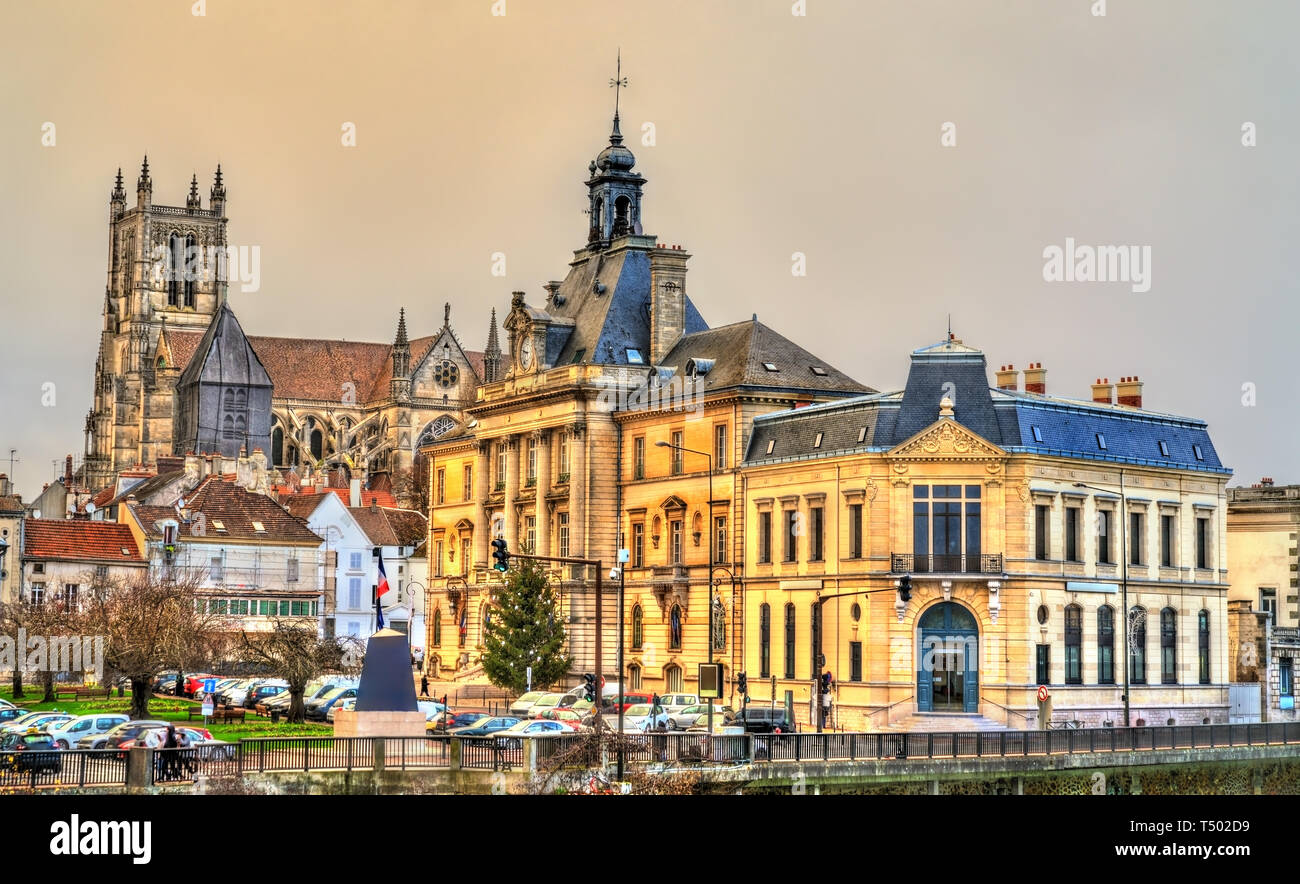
(1267, 481)
(67, 471)
(1103, 391)
(1036, 379)
(1008, 378)
(1129, 392)
(667, 300)
(354, 492)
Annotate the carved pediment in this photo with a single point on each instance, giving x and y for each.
(946, 440)
(673, 502)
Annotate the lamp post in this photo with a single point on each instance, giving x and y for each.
(708, 528)
(1123, 551)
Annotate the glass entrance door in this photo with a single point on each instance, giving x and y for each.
(947, 679)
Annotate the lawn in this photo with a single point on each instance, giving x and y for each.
(172, 709)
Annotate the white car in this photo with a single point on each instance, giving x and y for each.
(519, 708)
(67, 733)
(39, 720)
(672, 703)
(637, 718)
(348, 704)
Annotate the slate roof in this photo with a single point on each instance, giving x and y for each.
(740, 351)
(142, 490)
(11, 503)
(1067, 427)
(236, 508)
(80, 540)
(387, 526)
(232, 360)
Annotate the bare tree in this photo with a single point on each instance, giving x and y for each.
(298, 654)
(50, 616)
(150, 624)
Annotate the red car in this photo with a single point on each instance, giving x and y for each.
(564, 716)
(628, 699)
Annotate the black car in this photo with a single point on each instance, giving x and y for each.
(9, 714)
(763, 720)
(30, 752)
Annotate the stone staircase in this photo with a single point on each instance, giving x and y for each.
(945, 721)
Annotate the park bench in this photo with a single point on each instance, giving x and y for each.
(83, 693)
(226, 714)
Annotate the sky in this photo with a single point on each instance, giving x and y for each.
(922, 157)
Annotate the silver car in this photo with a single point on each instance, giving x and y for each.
(65, 735)
(685, 717)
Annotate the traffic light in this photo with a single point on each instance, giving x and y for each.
(589, 687)
(501, 554)
(905, 588)
(742, 684)
(654, 704)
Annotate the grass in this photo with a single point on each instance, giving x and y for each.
(171, 709)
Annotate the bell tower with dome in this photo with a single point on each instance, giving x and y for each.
(613, 189)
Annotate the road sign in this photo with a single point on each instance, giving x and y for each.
(207, 707)
(1042, 693)
(209, 685)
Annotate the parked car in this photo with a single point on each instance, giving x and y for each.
(264, 691)
(318, 709)
(677, 702)
(349, 704)
(564, 716)
(544, 702)
(236, 693)
(9, 713)
(630, 698)
(638, 718)
(431, 709)
(448, 720)
(763, 720)
(486, 726)
(30, 752)
(68, 732)
(38, 720)
(720, 726)
(124, 731)
(5, 704)
(684, 718)
(520, 707)
(513, 737)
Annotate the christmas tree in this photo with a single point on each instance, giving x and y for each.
(524, 629)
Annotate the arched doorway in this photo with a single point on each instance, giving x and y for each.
(947, 679)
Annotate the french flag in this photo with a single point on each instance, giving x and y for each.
(383, 581)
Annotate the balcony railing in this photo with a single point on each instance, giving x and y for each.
(909, 563)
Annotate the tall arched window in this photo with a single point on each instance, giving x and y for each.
(638, 623)
(765, 641)
(622, 207)
(228, 427)
(1168, 646)
(1073, 644)
(634, 677)
(1105, 645)
(675, 628)
(1138, 640)
(1203, 645)
(317, 445)
(191, 269)
(789, 640)
(228, 399)
(176, 253)
(437, 627)
(277, 447)
(673, 674)
(241, 426)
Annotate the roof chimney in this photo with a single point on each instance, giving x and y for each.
(354, 492)
(67, 471)
(1036, 379)
(1129, 392)
(1102, 391)
(1008, 378)
(1267, 481)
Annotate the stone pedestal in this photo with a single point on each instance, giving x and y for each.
(351, 723)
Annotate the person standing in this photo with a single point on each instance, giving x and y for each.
(424, 685)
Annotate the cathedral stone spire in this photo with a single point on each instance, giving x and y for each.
(218, 193)
(144, 185)
(492, 353)
(193, 201)
(119, 194)
(400, 386)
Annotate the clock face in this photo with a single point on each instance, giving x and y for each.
(526, 354)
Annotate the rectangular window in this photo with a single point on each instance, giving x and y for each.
(464, 557)
(530, 534)
(1202, 543)
(1042, 545)
(501, 466)
(69, 598)
(1105, 645)
(1203, 645)
(1136, 538)
(720, 538)
(855, 661)
(532, 460)
(765, 537)
(1038, 434)
(1101, 442)
(855, 530)
(354, 561)
(564, 457)
(939, 539)
(1166, 541)
(293, 571)
(439, 551)
(442, 487)
(284, 608)
(720, 447)
(765, 641)
(789, 641)
(1285, 680)
(1072, 534)
(791, 535)
(1044, 664)
(216, 574)
(354, 593)
(1103, 537)
(675, 538)
(638, 545)
(1268, 603)
(563, 522)
(638, 457)
(816, 534)
(1074, 645)
(467, 482)
(677, 452)
(36, 595)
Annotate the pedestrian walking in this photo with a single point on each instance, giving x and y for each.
(170, 767)
(424, 685)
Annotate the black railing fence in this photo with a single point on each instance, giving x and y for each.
(910, 563)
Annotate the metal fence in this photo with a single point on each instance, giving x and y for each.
(183, 765)
(491, 753)
(66, 769)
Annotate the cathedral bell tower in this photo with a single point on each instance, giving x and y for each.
(613, 189)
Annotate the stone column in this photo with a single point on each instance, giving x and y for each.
(482, 525)
(578, 491)
(540, 511)
(512, 491)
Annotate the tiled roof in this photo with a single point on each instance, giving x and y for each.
(11, 503)
(302, 505)
(143, 490)
(387, 526)
(381, 496)
(236, 509)
(80, 540)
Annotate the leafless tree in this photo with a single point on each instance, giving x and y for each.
(298, 654)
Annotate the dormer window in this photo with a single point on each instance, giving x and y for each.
(771, 443)
(634, 357)
(817, 443)
(819, 371)
(862, 435)
(1101, 441)
(1038, 434)
(577, 357)
(259, 527)
(1164, 448)
(1196, 450)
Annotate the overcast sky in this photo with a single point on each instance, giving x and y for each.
(774, 134)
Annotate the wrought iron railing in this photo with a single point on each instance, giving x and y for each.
(910, 563)
(68, 768)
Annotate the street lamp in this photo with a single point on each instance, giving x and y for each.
(708, 526)
(1123, 551)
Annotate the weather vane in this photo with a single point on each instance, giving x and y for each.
(619, 81)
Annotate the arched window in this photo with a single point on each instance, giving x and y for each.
(1168, 646)
(437, 627)
(277, 447)
(191, 269)
(1138, 645)
(622, 205)
(719, 625)
(764, 640)
(1203, 645)
(317, 445)
(634, 677)
(228, 427)
(1105, 645)
(241, 400)
(673, 675)
(228, 399)
(789, 640)
(638, 618)
(675, 628)
(241, 426)
(176, 253)
(1073, 644)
